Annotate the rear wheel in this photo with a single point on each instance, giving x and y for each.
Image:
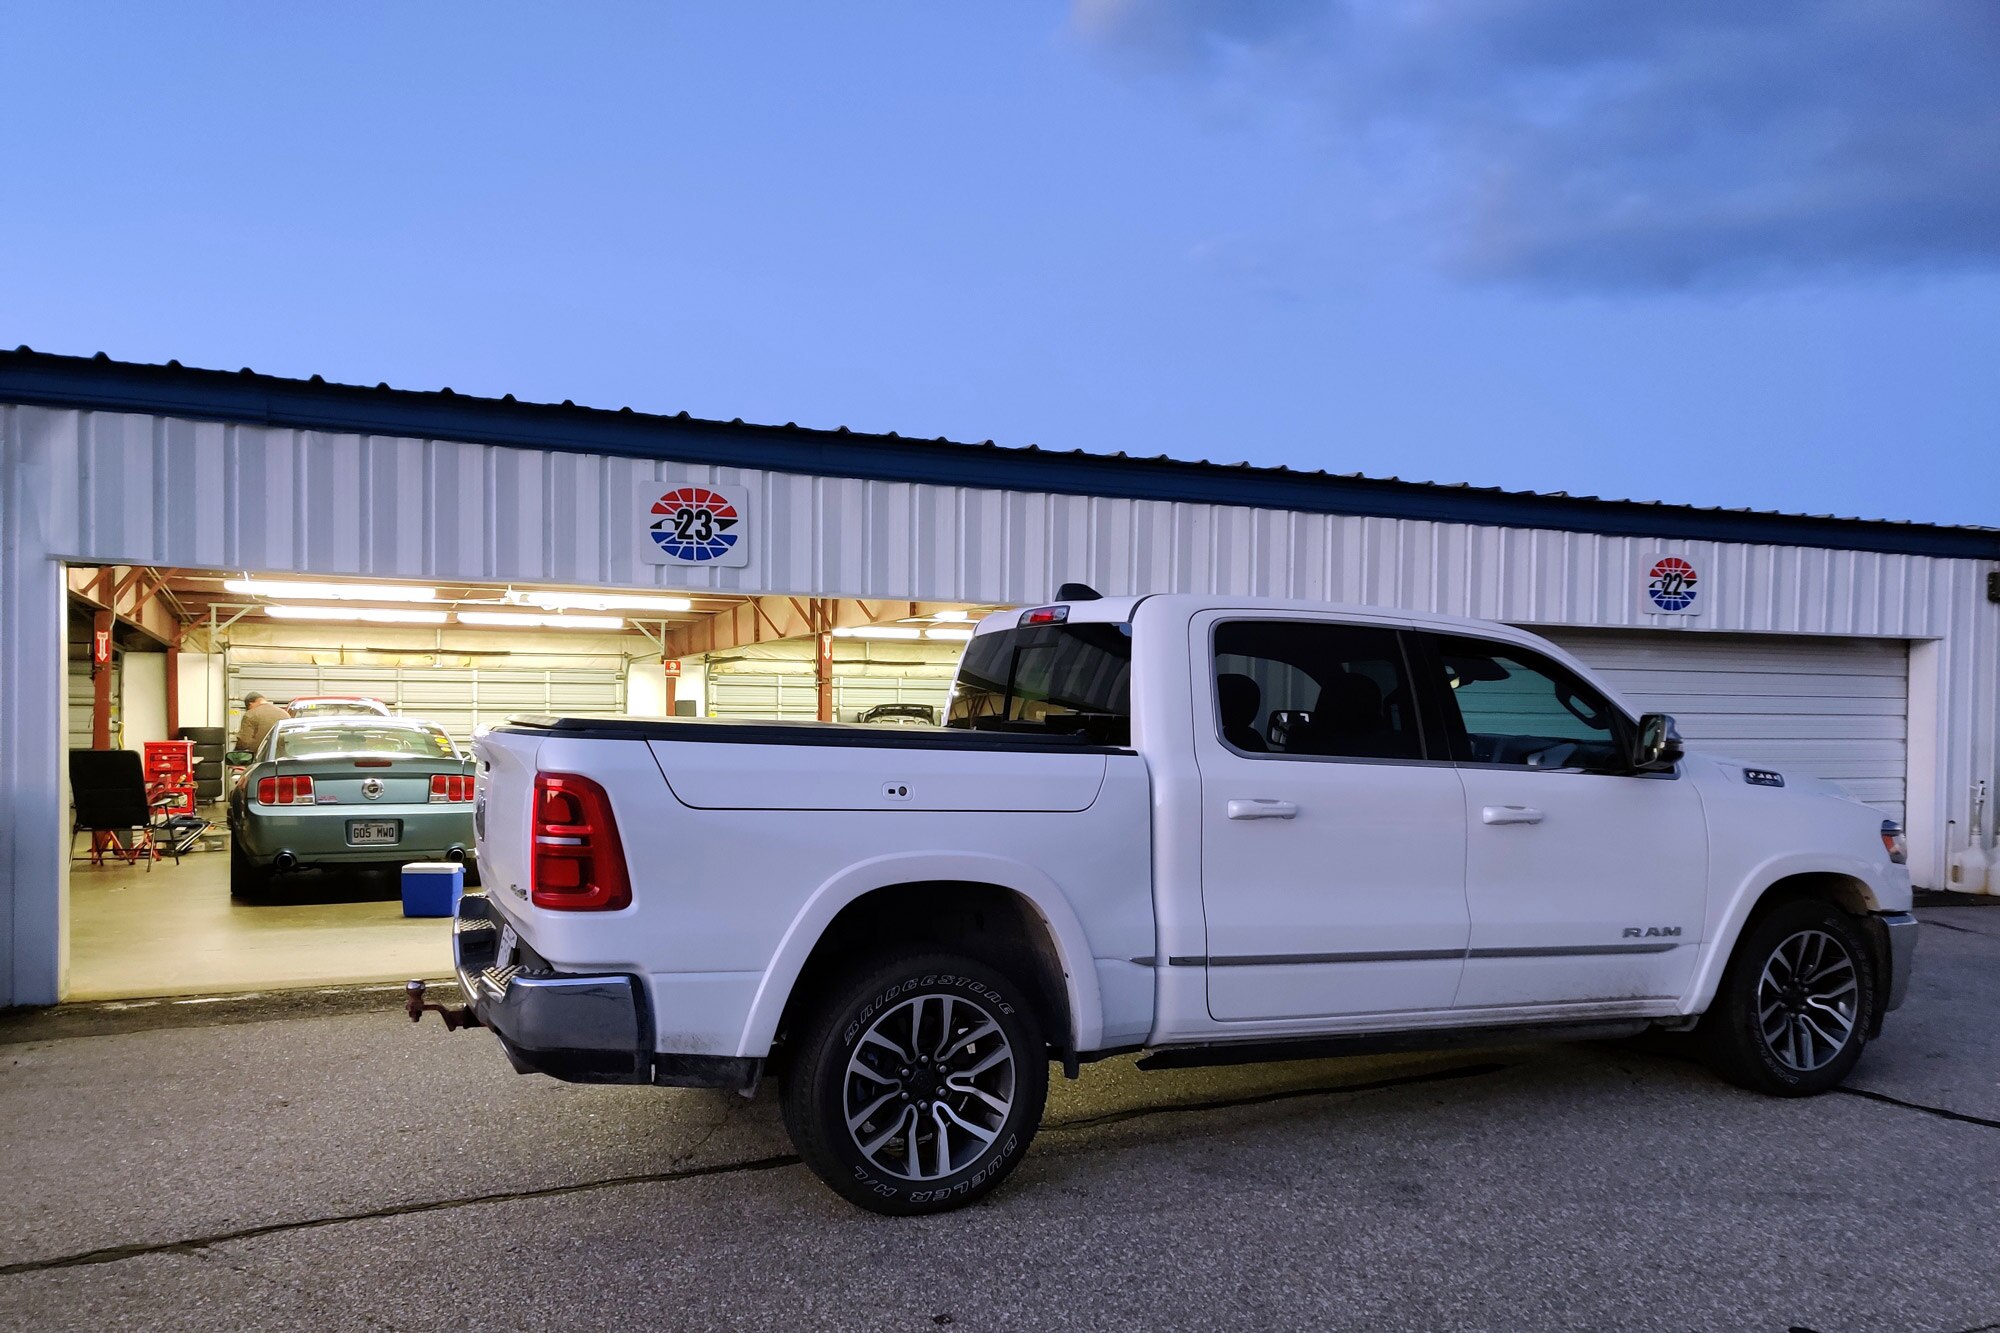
(1790, 1018)
(247, 881)
(918, 1084)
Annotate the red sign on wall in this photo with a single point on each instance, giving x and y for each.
(100, 646)
(672, 666)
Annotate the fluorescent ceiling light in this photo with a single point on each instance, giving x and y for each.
(877, 632)
(952, 615)
(957, 635)
(374, 615)
(603, 601)
(529, 620)
(335, 592)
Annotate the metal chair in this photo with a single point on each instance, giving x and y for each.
(108, 791)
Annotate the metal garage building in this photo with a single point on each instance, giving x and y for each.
(1865, 652)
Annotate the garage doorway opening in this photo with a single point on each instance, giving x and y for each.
(187, 647)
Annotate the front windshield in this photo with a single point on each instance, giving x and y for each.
(352, 738)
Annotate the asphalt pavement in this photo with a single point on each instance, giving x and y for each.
(214, 1168)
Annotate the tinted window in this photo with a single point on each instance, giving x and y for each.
(1073, 679)
(1507, 705)
(1310, 688)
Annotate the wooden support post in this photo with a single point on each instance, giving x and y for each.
(100, 680)
(174, 688)
(822, 618)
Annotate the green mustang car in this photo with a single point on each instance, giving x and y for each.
(351, 792)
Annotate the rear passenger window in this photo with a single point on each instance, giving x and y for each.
(1303, 687)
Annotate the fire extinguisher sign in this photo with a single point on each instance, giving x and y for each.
(694, 523)
(1671, 585)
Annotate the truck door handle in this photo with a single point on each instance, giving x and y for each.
(1511, 814)
(1260, 807)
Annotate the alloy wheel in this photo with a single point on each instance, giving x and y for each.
(929, 1087)
(1807, 1000)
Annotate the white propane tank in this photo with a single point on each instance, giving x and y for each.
(1972, 869)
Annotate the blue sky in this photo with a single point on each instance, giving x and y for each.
(1670, 252)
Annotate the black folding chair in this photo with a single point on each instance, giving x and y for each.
(108, 790)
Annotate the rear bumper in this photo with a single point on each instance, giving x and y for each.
(585, 1029)
(582, 1028)
(318, 835)
(1901, 928)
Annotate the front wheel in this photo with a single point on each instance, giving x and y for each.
(1791, 1016)
(918, 1084)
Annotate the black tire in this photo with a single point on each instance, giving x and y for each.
(208, 770)
(203, 735)
(1770, 1027)
(247, 882)
(875, 1001)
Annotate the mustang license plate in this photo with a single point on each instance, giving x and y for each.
(373, 832)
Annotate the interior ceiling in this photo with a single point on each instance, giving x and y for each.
(194, 593)
(199, 597)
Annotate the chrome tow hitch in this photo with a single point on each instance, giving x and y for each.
(414, 1005)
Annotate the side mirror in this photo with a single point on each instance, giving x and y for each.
(239, 756)
(1656, 747)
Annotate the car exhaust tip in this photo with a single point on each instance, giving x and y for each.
(456, 854)
(285, 861)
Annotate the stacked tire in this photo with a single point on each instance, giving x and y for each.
(211, 745)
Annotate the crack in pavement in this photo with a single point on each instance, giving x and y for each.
(1964, 930)
(1941, 1112)
(195, 1245)
(1282, 1095)
(112, 1254)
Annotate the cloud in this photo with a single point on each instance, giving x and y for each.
(1631, 143)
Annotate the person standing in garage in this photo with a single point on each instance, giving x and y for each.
(259, 716)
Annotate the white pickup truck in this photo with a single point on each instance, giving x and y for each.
(1215, 828)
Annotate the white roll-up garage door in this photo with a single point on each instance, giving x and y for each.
(459, 699)
(1832, 708)
(763, 694)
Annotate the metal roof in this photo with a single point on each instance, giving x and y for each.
(100, 384)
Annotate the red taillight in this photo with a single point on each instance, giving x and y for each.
(578, 866)
(1045, 615)
(284, 791)
(451, 786)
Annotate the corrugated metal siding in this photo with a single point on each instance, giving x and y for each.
(1836, 709)
(200, 494)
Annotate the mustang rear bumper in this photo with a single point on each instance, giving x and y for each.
(583, 1028)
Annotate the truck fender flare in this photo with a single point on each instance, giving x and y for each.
(1072, 946)
(1748, 894)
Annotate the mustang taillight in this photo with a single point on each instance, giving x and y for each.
(284, 791)
(451, 786)
(578, 864)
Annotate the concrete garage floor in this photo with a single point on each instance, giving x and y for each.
(354, 1171)
(174, 931)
